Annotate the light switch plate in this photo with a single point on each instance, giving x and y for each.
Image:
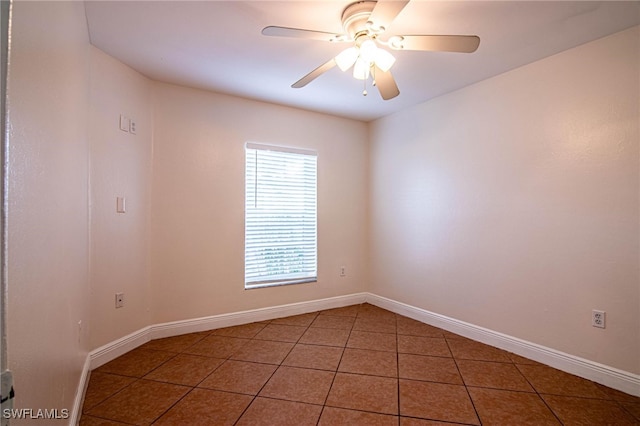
(121, 206)
(124, 123)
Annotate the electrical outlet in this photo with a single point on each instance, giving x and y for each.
(343, 271)
(119, 300)
(598, 318)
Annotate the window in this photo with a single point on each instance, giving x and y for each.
(280, 216)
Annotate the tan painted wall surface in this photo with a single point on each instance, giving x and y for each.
(198, 201)
(512, 204)
(48, 278)
(120, 167)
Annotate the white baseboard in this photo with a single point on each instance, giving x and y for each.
(599, 373)
(176, 328)
(112, 350)
(119, 347)
(609, 376)
(76, 410)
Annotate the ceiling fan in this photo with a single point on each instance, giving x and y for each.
(364, 24)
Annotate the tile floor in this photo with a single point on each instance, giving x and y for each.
(357, 365)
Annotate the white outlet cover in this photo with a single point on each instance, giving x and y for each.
(598, 318)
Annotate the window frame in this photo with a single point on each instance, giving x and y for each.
(308, 275)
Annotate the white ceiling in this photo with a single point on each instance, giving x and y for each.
(217, 45)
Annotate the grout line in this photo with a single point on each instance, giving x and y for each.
(466, 388)
(335, 374)
(539, 395)
(111, 395)
(275, 370)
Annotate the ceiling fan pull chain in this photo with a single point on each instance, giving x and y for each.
(373, 75)
(364, 92)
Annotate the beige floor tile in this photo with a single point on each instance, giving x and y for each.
(436, 401)
(217, 346)
(136, 363)
(496, 375)
(408, 326)
(586, 412)
(372, 311)
(366, 393)
(428, 368)
(346, 311)
(330, 321)
(264, 351)
(303, 320)
(551, 381)
(103, 385)
(176, 343)
(314, 356)
(618, 395)
(410, 421)
(375, 324)
(632, 408)
(270, 412)
(517, 359)
(371, 340)
(246, 331)
(239, 376)
(468, 349)
(325, 336)
(376, 363)
(281, 332)
(339, 416)
(185, 369)
(498, 407)
(87, 420)
(204, 407)
(420, 345)
(142, 402)
(299, 384)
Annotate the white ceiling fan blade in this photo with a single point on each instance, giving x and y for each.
(314, 74)
(436, 43)
(386, 11)
(386, 84)
(299, 33)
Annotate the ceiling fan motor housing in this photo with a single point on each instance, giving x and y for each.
(355, 18)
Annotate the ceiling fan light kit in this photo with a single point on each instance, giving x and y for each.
(363, 23)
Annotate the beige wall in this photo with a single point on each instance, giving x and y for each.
(197, 248)
(48, 290)
(512, 204)
(120, 167)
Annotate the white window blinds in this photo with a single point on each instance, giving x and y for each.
(280, 216)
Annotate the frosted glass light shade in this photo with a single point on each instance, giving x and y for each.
(347, 58)
(368, 51)
(361, 69)
(384, 60)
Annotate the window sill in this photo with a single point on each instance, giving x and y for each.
(279, 283)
